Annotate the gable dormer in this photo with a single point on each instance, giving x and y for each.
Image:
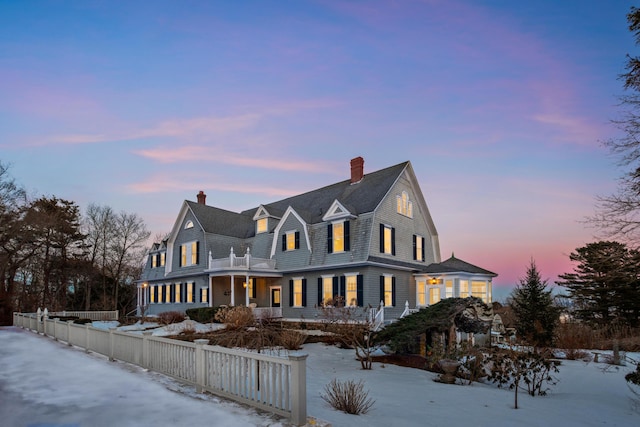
(337, 211)
(261, 218)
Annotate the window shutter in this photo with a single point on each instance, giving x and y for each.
(381, 288)
(347, 234)
(173, 292)
(200, 295)
(423, 249)
(180, 256)
(290, 293)
(284, 242)
(341, 290)
(381, 238)
(254, 285)
(336, 287)
(360, 290)
(304, 292)
(320, 291)
(198, 252)
(297, 240)
(330, 238)
(415, 253)
(393, 241)
(183, 291)
(393, 291)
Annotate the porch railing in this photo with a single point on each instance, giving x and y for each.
(272, 383)
(247, 262)
(407, 311)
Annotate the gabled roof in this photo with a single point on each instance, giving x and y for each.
(455, 265)
(359, 198)
(219, 221)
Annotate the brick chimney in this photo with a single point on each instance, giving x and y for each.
(357, 169)
(202, 198)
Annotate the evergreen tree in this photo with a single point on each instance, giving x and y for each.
(605, 284)
(534, 309)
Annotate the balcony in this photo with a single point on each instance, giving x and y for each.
(246, 262)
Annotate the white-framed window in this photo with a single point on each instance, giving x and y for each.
(421, 292)
(190, 290)
(448, 288)
(167, 293)
(262, 225)
(177, 295)
(404, 205)
(297, 292)
(154, 261)
(189, 254)
(387, 288)
(481, 289)
(290, 241)
(204, 295)
(326, 291)
(387, 239)
(152, 294)
(434, 295)
(351, 290)
(163, 258)
(464, 288)
(188, 224)
(418, 247)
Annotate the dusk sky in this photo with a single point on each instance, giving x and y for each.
(501, 107)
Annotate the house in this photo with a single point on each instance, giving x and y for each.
(368, 240)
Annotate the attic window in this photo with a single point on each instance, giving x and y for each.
(188, 224)
(404, 205)
(261, 225)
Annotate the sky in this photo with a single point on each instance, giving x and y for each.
(502, 108)
(76, 389)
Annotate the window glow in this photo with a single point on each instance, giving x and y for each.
(189, 254)
(388, 291)
(152, 294)
(327, 289)
(419, 254)
(479, 290)
(163, 258)
(434, 295)
(421, 292)
(261, 225)
(189, 224)
(189, 292)
(297, 292)
(183, 255)
(404, 205)
(387, 240)
(177, 287)
(351, 297)
(167, 293)
(464, 288)
(291, 241)
(338, 237)
(448, 288)
(205, 295)
(154, 261)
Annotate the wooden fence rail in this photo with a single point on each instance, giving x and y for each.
(270, 382)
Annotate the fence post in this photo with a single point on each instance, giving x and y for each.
(69, 322)
(200, 365)
(86, 338)
(298, 388)
(145, 349)
(111, 344)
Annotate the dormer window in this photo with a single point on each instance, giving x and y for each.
(338, 239)
(188, 224)
(261, 225)
(404, 205)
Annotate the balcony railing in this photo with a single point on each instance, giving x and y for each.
(246, 262)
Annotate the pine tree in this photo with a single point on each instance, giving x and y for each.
(534, 309)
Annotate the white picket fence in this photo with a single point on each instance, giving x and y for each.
(273, 383)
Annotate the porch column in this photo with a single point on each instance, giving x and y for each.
(232, 303)
(246, 291)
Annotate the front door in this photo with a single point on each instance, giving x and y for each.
(275, 297)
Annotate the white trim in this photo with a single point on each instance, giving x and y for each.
(337, 211)
(276, 231)
(260, 213)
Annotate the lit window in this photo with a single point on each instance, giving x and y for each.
(163, 257)
(448, 288)
(421, 292)
(351, 297)
(479, 289)
(152, 294)
(418, 245)
(291, 241)
(154, 261)
(404, 205)
(464, 288)
(189, 224)
(297, 292)
(327, 289)
(167, 293)
(387, 239)
(388, 291)
(261, 225)
(204, 295)
(189, 254)
(189, 292)
(177, 292)
(434, 295)
(338, 237)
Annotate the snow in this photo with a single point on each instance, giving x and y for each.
(50, 383)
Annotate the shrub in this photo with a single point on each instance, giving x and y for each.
(348, 396)
(169, 317)
(202, 314)
(236, 317)
(291, 340)
(576, 354)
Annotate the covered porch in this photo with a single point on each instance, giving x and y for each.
(247, 280)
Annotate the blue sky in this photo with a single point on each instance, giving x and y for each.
(501, 107)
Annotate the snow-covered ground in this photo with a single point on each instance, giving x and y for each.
(43, 382)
